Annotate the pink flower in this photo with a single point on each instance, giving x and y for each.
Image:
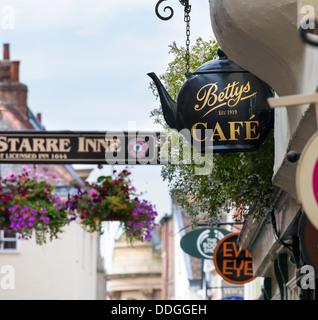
(53, 175)
(93, 192)
(25, 167)
(12, 177)
(46, 169)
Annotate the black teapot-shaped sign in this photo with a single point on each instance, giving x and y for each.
(223, 106)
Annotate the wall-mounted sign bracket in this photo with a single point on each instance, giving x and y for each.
(295, 100)
(307, 168)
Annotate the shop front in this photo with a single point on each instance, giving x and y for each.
(263, 37)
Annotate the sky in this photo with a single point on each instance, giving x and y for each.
(85, 63)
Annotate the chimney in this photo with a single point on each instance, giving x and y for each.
(5, 64)
(12, 92)
(39, 117)
(6, 52)
(14, 71)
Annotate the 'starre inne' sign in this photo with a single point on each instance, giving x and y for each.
(79, 147)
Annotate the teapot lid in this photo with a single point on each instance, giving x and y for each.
(221, 65)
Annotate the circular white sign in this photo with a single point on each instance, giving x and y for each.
(207, 242)
(137, 147)
(307, 180)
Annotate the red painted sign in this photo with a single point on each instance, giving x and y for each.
(232, 264)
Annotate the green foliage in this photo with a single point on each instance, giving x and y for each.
(239, 182)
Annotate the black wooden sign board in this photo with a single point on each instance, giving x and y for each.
(68, 147)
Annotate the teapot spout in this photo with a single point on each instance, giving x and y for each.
(169, 106)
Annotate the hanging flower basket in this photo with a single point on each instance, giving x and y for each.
(113, 198)
(28, 204)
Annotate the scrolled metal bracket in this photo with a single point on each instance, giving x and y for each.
(185, 3)
(165, 8)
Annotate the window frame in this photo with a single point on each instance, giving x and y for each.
(4, 239)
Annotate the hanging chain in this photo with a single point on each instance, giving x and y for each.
(187, 9)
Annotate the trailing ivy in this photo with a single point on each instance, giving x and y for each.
(239, 182)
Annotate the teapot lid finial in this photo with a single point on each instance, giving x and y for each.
(221, 65)
(221, 54)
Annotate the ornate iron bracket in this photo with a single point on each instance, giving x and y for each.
(185, 3)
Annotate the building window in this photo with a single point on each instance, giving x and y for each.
(8, 242)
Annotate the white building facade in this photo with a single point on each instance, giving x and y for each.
(67, 268)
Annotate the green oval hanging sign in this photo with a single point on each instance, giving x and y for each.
(201, 243)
